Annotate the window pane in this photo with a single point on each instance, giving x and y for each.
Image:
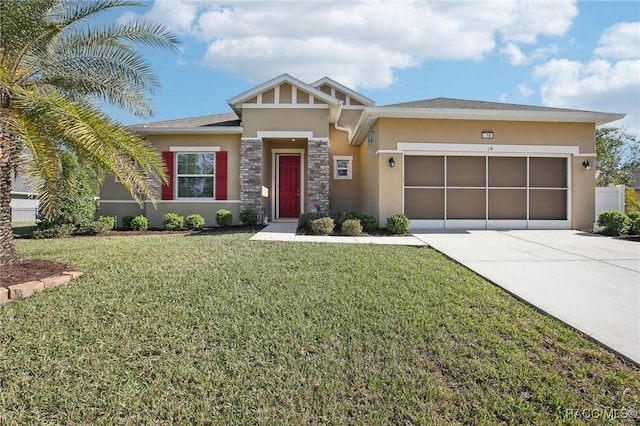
(343, 164)
(195, 187)
(196, 164)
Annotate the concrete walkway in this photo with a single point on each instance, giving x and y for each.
(286, 231)
(588, 281)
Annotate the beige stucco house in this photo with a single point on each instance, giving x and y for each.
(289, 147)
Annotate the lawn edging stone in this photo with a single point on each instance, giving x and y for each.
(26, 289)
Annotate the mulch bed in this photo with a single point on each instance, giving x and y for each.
(30, 270)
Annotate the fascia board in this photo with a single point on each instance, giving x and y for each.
(357, 96)
(222, 130)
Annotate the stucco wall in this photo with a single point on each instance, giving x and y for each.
(285, 119)
(394, 130)
(391, 131)
(112, 190)
(344, 194)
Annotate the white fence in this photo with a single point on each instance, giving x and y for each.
(609, 198)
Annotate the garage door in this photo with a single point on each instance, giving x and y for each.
(486, 192)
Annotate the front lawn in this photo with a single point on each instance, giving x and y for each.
(216, 329)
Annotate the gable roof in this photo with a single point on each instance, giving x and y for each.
(227, 123)
(451, 103)
(236, 102)
(461, 109)
(344, 89)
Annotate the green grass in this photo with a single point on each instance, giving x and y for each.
(216, 329)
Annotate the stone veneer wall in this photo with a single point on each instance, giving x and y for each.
(318, 175)
(250, 173)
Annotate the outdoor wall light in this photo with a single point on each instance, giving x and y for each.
(370, 137)
(487, 134)
(586, 164)
(392, 162)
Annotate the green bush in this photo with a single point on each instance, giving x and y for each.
(613, 221)
(224, 218)
(139, 223)
(351, 227)
(46, 229)
(322, 226)
(194, 221)
(634, 223)
(95, 227)
(249, 216)
(305, 219)
(398, 223)
(368, 221)
(126, 221)
(172, 221)
(338, 217)
(109, 222)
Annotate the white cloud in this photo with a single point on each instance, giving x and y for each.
(597, 85)
(622, 41)
(514, 54)
(524, 91)
(360, 43)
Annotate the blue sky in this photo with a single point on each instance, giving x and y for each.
(567, 54)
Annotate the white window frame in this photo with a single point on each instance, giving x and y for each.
(177, 175)
(349, 159)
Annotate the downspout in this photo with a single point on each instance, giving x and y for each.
(339, 127)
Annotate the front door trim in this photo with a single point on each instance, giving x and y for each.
(274, 171)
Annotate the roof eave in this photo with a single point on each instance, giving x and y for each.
(220, 130)
(371, 114)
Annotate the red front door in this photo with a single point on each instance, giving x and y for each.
(288, 186)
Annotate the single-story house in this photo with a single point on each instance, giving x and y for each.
(289, 147)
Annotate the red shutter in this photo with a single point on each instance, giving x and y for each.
(167, 190)
(221, 175)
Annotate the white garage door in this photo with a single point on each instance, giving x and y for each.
(486, 192)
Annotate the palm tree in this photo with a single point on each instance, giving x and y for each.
(55, 67)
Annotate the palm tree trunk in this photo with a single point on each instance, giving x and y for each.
(8, 252)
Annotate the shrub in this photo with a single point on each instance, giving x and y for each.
(139, 223)
(249, 216)
(351, 227)
(194, 221)
(96, 227)
(398, 223)
(368, 221)
(634, 223)
(126, 221)
(172, 221)
(322, 226)
(338, 217)
(613, 221)
(305, 219)
(224, 218)
(109, 222)
(47, 229)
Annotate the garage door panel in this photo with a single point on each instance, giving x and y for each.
(507, 204)
(466, 171)
(547, 172)
(423, 203)
(466, 203)
(547, 204)
(508, 171)
(424, 171)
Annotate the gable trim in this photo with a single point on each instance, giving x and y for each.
(275, 82)
(347, 91)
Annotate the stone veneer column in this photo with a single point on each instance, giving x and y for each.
(250, 173)
(318, 175)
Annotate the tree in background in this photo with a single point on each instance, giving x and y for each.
(74, 207)
(54, 68)
(618, 156)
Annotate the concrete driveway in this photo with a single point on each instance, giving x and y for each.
(588, 281)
